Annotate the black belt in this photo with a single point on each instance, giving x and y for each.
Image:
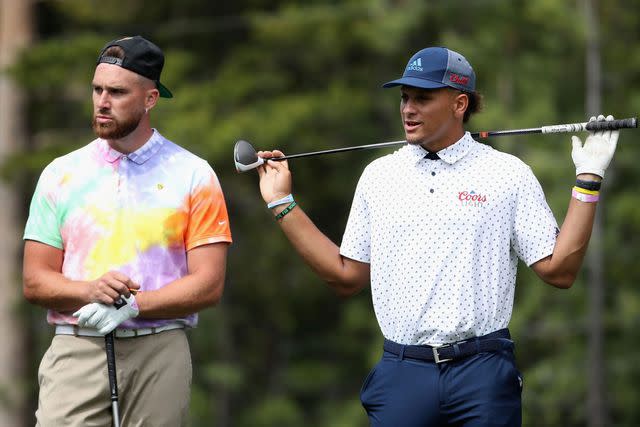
(494, 341)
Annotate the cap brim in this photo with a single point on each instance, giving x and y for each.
(164, 92)
(414, 82)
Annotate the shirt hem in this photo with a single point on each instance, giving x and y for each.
(55, 244)
(208, 240)
(544, 254)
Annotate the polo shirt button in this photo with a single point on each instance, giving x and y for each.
(431, 190)
(433, 174)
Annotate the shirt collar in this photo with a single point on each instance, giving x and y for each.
(139, 156)
(450, 155)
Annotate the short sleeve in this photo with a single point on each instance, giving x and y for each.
(535, 228)
(356, 241)
(43, 224)
(208, 217)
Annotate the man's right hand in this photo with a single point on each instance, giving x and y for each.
(108, 287)
(275, 177)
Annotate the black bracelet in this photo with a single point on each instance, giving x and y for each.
(588, 185)
(286, 210)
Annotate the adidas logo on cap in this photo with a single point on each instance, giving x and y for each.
(436, 67)
(415, 65)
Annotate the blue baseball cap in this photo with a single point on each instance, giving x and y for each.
(436, 67)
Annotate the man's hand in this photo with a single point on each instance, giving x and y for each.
(275, 178)
(107, 288)
(105, 318)
(595, 155)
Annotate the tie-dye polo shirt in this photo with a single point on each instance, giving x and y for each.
(138, 214)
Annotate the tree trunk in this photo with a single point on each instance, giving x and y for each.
(596, 406)
(15, 34)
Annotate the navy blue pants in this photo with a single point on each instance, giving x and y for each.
(480, 390)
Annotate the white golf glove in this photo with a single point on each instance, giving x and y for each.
(105, 318)
(596, 153)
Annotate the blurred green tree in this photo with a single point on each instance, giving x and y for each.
(282, 350)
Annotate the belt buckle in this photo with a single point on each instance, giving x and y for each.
(436, 356)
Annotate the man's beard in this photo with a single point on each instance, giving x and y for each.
(414, 141)
(116, 129)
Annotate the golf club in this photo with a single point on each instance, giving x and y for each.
(111, 366)
(246, 157)
(113, 382)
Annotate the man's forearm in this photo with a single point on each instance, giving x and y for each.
(54, 291)
(320, 253)
(202, 287)
(180, 298)
(561, 268)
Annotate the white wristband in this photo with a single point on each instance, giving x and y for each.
(286, 199)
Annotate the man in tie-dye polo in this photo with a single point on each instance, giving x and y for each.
(133, 216)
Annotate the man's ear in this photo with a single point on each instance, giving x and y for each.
(460, 103)
(151, 98)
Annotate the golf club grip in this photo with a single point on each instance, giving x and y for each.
(631, 122)
(111, 365)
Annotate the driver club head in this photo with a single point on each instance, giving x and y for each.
(245, 156)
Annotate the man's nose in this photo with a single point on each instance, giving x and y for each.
(408, 106)
(103, 101)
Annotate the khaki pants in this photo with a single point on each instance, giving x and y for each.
(153, 373)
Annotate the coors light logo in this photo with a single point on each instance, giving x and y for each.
(471, 198)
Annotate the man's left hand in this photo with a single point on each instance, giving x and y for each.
(105, 318)
(594, 156)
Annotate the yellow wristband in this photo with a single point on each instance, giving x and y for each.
(585, 191)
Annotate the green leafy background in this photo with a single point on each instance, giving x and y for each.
(281, 349)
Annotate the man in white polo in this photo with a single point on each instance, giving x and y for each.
(436, 228)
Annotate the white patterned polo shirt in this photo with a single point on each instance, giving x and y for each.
(443, 238)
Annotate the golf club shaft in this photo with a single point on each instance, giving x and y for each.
(563, 128)
(113, 381)
(338, 150)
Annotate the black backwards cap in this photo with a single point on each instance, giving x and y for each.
(140, 56)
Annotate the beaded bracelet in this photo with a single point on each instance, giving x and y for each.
(588, 185)
(286, 210)
(583, 197)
